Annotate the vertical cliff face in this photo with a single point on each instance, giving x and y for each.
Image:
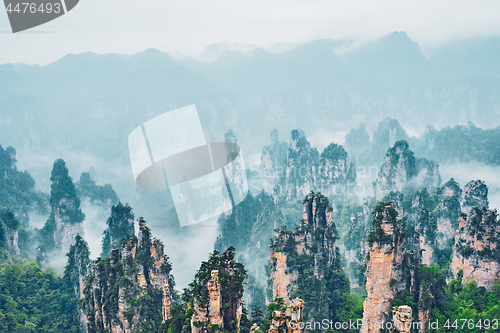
(307, 258)
(385, 268)
(424, 221)
(475, 195)
(66, 217)
(129, 291)
(283, 280)
(216, 294)
(301, 165)
(402, 172)
(205, 316)
(272, 162)
(477, 246)
(120, 223)
(77, 271)
(435, 217)
(449, 212)
(9, 232)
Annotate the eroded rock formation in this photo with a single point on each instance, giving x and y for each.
(205, 316)
(272, 162)
(402, 319)
(288, 319)
(216, 294)
(477, 246)
(449, 211)
(306, 170)
(475, 194)
(385, 267)
(402, 172)
(307, 256)
(129, 291)
(120, 223)
(77, 271)
(66, 217)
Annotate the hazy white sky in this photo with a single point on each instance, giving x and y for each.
(188, 26)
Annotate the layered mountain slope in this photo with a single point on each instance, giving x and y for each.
(474, 57)
(393, 58)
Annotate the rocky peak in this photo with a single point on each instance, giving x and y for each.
(300, 167)
(205, 316)
(229, 136)
(477, 246)
(77, 271)
(402, 172)
(310, 246)
(130, 290)
(306, 170)
(66, 217)
(88, 189)
(216, 294)
(449, 211)
(475, 195)
(388, 132)
(120, 223)
(18, 192)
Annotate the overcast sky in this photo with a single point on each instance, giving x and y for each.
(188, 26)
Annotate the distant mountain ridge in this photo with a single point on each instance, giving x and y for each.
(84, 100)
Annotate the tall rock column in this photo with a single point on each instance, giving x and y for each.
(120, 223)
(203, 317)
(305, 261)
(385, 267)
(66, 217)
(402, 172)
(77, 271)
(216, 294)
(449, 211)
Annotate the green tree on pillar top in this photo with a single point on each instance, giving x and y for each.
(120, 223)
(63, 193)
